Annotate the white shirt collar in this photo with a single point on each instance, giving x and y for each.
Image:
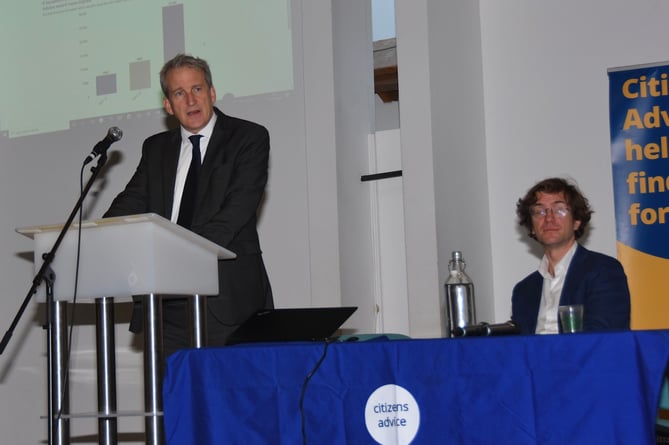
(562, 265)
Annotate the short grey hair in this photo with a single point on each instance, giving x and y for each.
(181, 61)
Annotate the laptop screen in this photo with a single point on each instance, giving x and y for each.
(291, 324)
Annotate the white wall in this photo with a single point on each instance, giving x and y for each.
(354, 105)
(484, 115)
(546, 109)
(443, 154)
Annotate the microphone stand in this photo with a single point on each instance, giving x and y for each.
(47, 275)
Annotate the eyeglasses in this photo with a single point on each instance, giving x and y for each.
(541, 212)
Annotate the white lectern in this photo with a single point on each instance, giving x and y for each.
(140, 255)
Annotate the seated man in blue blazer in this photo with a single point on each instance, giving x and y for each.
(556, 214)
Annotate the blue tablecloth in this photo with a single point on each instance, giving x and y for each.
(560, 389)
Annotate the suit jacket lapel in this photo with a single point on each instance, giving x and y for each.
(536, 288)
(219, 137)
(573, 278)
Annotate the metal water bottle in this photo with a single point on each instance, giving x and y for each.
(460, 307)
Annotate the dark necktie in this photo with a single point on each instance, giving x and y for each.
(190, 187)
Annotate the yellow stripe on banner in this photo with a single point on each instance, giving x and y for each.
(648, 277)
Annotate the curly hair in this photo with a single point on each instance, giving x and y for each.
(187, 61)
(578, 204)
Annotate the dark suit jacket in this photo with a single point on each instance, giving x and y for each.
(230, 188)
(596, 281)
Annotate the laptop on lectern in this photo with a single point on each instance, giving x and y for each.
(291, 324)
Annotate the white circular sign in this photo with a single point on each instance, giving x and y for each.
(392, 415)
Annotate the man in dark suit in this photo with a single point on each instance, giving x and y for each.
(229, 159)
(556, 214)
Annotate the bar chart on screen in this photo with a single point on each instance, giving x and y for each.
(93, 59)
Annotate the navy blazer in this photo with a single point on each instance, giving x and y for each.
(595, 280)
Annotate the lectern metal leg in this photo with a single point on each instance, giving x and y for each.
(106, 369)
(198, 317)
(59, 423)
(153, 369)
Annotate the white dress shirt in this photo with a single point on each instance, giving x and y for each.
(547, 320)
(185, 156)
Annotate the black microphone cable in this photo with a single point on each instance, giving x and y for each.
(66, 382)
(306, 382)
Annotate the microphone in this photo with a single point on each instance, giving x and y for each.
(113, 134)
(487, 330)
(474, 330)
